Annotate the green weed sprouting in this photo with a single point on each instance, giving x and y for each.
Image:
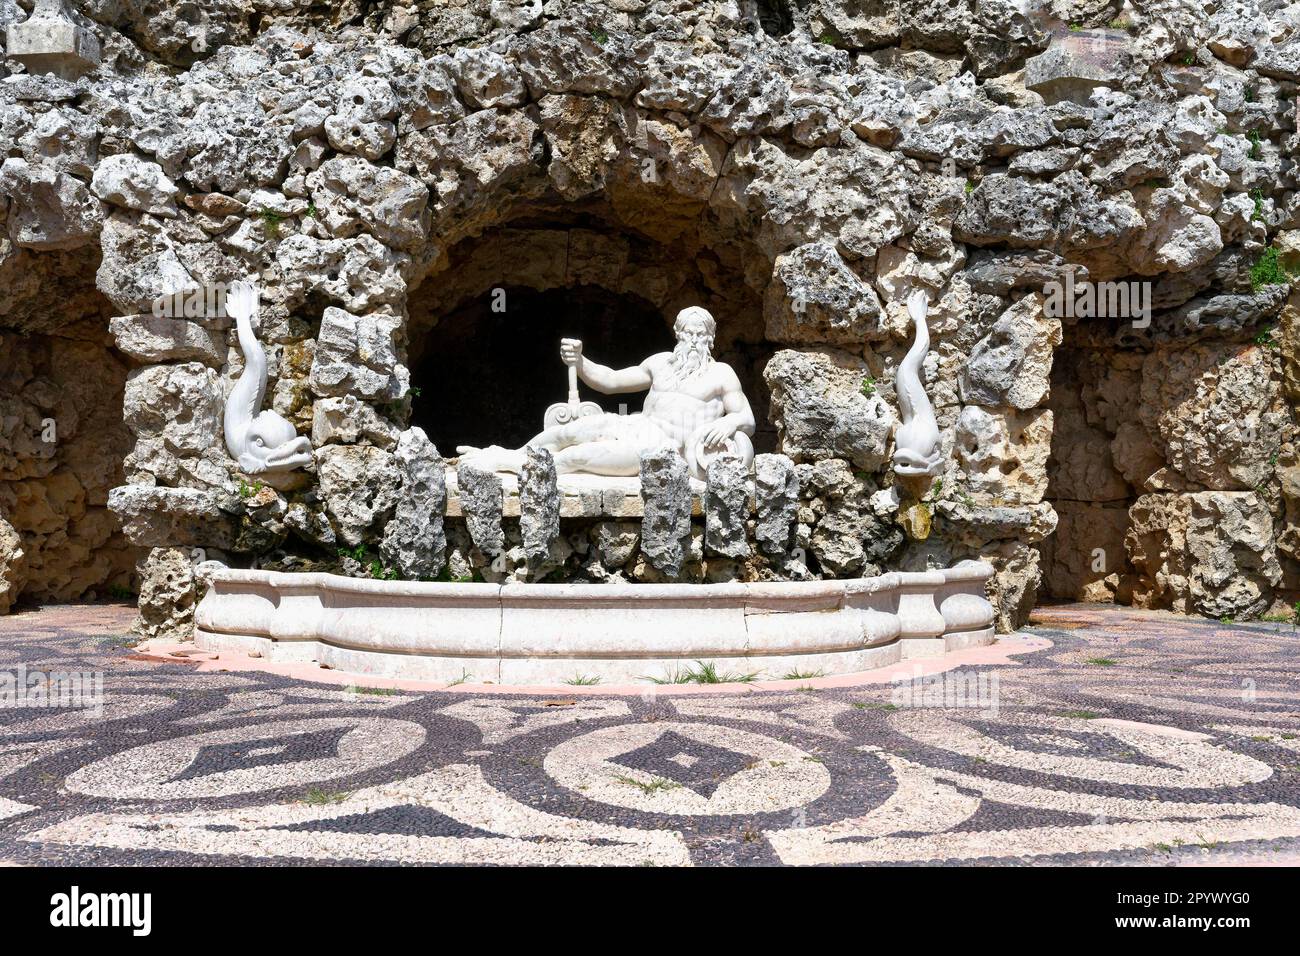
(271, 223)
(1269, 270)
(1255, 143)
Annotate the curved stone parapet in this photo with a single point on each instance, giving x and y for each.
(618, 633)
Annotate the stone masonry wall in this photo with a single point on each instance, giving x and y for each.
(826, 157)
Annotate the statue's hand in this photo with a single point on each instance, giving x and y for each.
(571, 351)
(717, 434)
(917, 303)
(241, 300)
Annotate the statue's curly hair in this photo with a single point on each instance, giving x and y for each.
(696, 312)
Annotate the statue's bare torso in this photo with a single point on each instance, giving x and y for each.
(679, 408)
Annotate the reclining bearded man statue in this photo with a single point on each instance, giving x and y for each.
(694, 404)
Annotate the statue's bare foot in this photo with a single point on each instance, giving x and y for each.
(492, 458)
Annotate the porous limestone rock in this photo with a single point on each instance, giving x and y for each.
(539, 504)
(815, 297)
(728, 492)
(169, 593)
(615, 542)
(1011, 365)
(666, 525)
(776, 492)
(1085, 559)
(151, 339)
(1215, 413)
(360, 486)
(824, 406)
(351, 196)
(1003, 455)
(414, 542)
(158, 517)
(133, 183)
(12, 576)
(378, 179)
(1013, 589)
(481, 502)
(347, 421)
(487, 79)
(175, 413)
(361, 122)
(848, 539)
(50, 209)
(359, 355)
(1209, 552)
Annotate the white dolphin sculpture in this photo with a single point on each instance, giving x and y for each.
(916, 443)
(263, 442)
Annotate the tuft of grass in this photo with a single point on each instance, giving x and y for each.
(803, 675)
(703, 673)
(1081, 714)
(121, 641)
(464, 676)
(654, 786)
(375, 691)
(600, 36)
(318, 797)
(582, 680)
(119, 593)
(1101, 661)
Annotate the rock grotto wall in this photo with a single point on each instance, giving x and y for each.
(797, 167)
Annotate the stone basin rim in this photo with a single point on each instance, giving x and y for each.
(965, 571)
(543, 634)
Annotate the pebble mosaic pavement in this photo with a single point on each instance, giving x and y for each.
(1125, 737)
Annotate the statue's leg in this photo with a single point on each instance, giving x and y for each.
(614, 457)
(580, 431)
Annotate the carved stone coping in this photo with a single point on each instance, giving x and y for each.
(581, 496)
(619, 633)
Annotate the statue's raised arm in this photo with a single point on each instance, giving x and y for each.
(602, 378)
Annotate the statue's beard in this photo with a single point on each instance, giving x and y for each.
(690, 358)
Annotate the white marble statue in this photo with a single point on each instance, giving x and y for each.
(263, 442)
(694, 404)
(917, 450)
